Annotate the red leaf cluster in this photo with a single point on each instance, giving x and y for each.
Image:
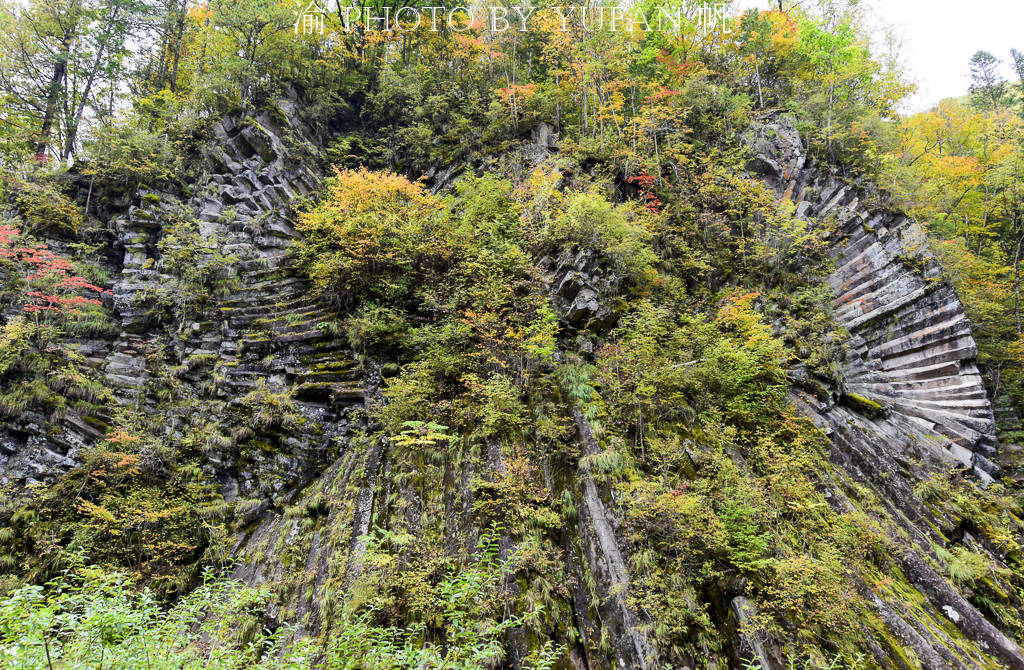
(40, 262)
(645, 183)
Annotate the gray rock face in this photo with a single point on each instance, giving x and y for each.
(543, 143)
(911, 374)
(582, 289)
(751, 647)
(609, 563)
(268, 333)
(911, 398)
(910, 393)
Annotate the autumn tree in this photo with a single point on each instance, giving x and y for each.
(56, 57)
(959, 168)
(47, 279)
(375, 235)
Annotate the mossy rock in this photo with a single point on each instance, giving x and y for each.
(96, 423)
(814, 387)
(863, 405)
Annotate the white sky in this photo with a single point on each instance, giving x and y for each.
(940, 36)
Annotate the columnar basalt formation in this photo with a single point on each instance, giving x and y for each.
(910, 375)
(910, 396)
(266, 332)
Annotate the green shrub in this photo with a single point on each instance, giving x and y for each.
(264, 410)
(92, 618)
(46, 209)
(199, 269)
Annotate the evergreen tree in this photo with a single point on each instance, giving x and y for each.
(1018, 66)
(988, 90)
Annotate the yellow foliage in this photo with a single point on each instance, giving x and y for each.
(375, 232)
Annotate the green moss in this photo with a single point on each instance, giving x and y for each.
(96, 423)
(863, 405)
(263, 446)
(277, 114)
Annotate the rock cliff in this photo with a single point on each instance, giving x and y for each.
(910, 392)
(911, 368)
(910, 396)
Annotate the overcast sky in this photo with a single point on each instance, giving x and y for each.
(940, 36)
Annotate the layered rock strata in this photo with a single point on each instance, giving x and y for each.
(911, 374)
(265, 332)
(911, 399)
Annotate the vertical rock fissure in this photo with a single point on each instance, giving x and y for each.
(611, 562)
(364, 510)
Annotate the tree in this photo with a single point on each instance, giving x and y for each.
(988, 91)
(1018, 66)
(50, 284)
(375, 234)
(98, 55)
(960, 170)
(172, 28)
(251, 26)
(53, 55)
(36, 43)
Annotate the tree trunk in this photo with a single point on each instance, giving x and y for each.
(1016, 282)
(757, 75)
(75, 121)
(60, 69)
(177, 48)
